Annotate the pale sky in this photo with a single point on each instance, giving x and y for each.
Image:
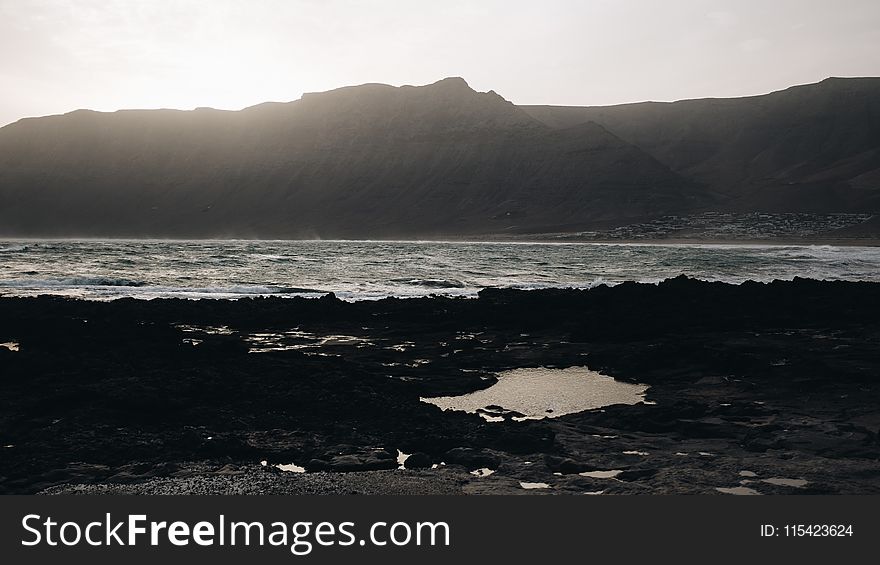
(61, 55)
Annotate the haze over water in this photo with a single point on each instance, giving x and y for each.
(364, 270)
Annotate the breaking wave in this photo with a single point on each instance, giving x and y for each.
(431, 283)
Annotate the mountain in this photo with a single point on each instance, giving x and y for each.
(811, 148)
(440, 160)
(364, 161)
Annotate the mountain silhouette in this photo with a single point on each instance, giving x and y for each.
(810, 148)
(433, 161)
(364, 161)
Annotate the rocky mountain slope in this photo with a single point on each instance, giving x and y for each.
(812, 148)
(364, 161)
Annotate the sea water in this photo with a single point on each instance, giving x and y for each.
(366, 270)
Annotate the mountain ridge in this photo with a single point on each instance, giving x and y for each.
(365, 161)
(812, 147)
(436, 160)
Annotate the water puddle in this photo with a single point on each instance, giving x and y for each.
(737, 490)
(210, 330)
(403, 346)
(10, 345)
(290, 340)
(402, 378)
(493, 413)
(401, 459)
(783, 482)
(291, 468)
(530, 486)
(536, 393)
(601, 474)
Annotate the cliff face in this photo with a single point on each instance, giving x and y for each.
(364, 161)
(812, 148)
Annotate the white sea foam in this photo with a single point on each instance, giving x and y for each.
(12, 247)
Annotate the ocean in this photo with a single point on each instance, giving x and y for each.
(369, 270)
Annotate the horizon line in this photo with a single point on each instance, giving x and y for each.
(306, 93)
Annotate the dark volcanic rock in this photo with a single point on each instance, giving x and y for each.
(362, 460)
(471, 458)
(317, 465)
(567, 466)
(418, 460)
(636, 474)
(777, 380)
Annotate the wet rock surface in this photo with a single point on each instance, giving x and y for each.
(775, 380)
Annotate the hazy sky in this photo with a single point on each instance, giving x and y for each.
(60, 55)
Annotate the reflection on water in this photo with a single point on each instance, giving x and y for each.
(530, 486)
(535, 393)
(288, 468)
(401, 459)
(737, 490)
(783, 482)
(263, 342)
(291, 468)
(211, 330)
(276, 340)
(10, 345)
(601, 474)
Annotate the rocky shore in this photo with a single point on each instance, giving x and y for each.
(754, 388)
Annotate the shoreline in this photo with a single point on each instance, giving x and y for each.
(774, 380)
(501, 239)
(766, 242)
